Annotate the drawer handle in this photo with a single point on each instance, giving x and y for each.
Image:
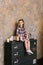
(16, 54)
(34, 61)
(16, 61)
(34, 43)
(16, 47)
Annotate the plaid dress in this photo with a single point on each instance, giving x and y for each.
(21, 31)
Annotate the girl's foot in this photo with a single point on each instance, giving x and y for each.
(8, 40)
(29, 52)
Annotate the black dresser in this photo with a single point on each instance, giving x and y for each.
(15, 54)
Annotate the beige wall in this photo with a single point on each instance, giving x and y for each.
(32, 13)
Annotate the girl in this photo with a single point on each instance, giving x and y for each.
(21, 32)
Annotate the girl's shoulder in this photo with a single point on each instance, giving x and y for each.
(18, 28)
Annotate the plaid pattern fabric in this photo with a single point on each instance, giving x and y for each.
(22, 33)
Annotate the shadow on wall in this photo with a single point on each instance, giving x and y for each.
(41, 34)
(16, 25)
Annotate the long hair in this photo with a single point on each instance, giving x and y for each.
(19, 22)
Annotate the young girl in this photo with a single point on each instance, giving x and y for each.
(21, 32)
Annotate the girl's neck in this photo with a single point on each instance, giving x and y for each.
(21, 27)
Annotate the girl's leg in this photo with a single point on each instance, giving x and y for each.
(27, 46)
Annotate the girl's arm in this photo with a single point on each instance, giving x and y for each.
(18, 32)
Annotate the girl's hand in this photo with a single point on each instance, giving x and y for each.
(27, 36)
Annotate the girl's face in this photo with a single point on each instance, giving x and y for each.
(21, 23)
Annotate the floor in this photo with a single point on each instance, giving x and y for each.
(40, 62)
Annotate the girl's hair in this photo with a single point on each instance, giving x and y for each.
(19, 22)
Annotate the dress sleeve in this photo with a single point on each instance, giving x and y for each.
(17, 31)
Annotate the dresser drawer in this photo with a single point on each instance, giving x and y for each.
(33, 42)
(18, 45)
